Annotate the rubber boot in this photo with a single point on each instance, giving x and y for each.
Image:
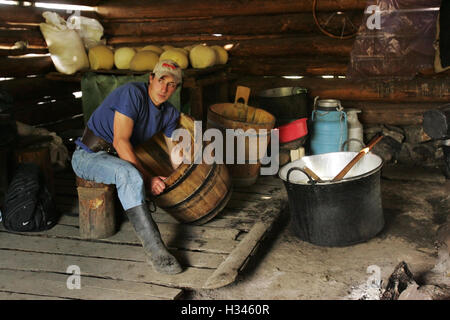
(148, 233)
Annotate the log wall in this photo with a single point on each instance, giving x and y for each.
(268, 40)
(38, 101)
(272, 39)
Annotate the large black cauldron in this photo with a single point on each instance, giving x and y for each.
(335, 213)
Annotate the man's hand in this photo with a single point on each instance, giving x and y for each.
(157, 185)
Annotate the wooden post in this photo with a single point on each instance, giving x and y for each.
(96, 209)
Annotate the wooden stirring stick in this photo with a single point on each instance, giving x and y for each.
(312, 174)
(360, 154)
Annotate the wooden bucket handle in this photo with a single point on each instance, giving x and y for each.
(242, 93)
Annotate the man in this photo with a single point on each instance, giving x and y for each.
(130, 115)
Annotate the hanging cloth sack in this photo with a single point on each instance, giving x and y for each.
(64, 44)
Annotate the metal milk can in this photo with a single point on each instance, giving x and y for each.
(355, 130)
(329, 126)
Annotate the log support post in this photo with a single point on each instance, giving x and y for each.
(96, 209)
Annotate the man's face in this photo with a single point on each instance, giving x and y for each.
(160, 89)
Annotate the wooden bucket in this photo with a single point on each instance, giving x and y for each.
(194, 193)
(224, 116)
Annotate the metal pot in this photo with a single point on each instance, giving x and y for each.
(286, 103)
(338, 213)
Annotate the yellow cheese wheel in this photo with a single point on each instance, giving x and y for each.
(153, 48)
(144, 61)
(101, 57)
(222, 54)
(123, 56)
(167, 47)
(202, 57)
(176, 55)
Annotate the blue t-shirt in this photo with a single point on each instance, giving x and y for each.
(132, 100)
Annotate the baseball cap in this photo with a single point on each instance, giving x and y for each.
(168, 67)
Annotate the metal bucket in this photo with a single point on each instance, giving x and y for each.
(338, 213)
(286, 103)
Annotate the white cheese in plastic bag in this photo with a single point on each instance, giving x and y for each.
(65, 45)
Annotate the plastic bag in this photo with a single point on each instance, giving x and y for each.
(395, 39)
(90, 30)
(65, 46)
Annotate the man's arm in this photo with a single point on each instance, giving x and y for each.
(123, 129)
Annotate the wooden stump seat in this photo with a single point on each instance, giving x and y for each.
(96, 209)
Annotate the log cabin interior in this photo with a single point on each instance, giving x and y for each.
(328, 49)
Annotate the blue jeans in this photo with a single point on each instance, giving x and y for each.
(104, 168)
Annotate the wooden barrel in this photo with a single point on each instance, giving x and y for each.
(194, 193)
(235, 116)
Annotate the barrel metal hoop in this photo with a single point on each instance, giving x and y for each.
(181, 179)
(211, 173)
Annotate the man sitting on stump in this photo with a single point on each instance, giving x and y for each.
(130, 115)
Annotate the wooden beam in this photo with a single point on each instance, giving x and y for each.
(116, 9)
(24, 66)
(49, 110)
(19, 15)
(288, 66)
(415, 90)
(391, 113)
(89, 3)
(21, 52)
(26, 89)
(232, 25)
(32, 36)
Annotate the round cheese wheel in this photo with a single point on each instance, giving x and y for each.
(144, 61)
(167, 47)
(101, 57)
(153, 48)
(222, 54)
(123, 56)
(176, 55)
(202, 56)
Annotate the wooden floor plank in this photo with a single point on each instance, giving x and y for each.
(139, 272)
(102, 250)
(174, 241)
(5, 295)
(54, 285)
(183, 230)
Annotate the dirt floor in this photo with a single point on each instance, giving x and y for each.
(415, 202)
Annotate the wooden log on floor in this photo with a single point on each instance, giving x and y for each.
(117, 9)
